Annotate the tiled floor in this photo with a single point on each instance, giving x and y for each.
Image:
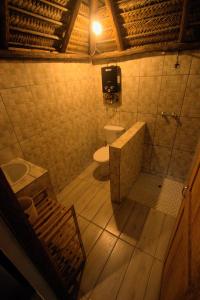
(125, 244)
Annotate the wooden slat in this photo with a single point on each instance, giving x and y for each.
(112, 14)
(4, 24)
(93, 11)
(70, 26)
(33, 32)
(37, 16)
(183, 21)
(22, 230)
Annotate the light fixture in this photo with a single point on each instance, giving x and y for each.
(97, 27)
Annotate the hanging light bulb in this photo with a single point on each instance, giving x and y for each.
(97, 27)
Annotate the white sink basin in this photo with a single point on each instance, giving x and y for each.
(15, 171)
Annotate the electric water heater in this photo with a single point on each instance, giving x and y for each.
(111, 79)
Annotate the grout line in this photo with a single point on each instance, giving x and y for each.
(121, 283)
(103, 266)
(150, 272)
(178, 125)
(12, 126)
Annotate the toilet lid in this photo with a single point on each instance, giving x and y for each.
(102, 155)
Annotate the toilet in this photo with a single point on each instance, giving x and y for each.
(101, 156)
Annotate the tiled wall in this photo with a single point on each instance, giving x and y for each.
(53, 114)
(151, 84)
(48, 116)
(126, 161)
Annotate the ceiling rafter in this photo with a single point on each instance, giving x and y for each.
(93, 11)
(183, 24)
(70, 26)
(4, 24)
(111, 10)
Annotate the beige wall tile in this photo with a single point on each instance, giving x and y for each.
(165, 131)
(130, 68)
(127, 119)
(112, 116)
(12, 74)
(10, 153)
(191, 104)
(7, 136)
(129, 94)
(149, 90)
(172, 93)
(180, 164)
(152, 66)
(22, 111)
(36, 150)
(146, 160)
(150, 121)
(39, 72)
(160, 160)
(171, 59)
(188, 134)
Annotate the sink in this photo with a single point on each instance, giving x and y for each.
(15, 171)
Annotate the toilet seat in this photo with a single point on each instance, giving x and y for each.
(102, 155)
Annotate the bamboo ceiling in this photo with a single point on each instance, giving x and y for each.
(63, 26)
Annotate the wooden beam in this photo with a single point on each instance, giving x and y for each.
(71, 25)
(111, 10)
(42, 55)
(93, 11)
(173, 46)
(183, 21)
(4, 24)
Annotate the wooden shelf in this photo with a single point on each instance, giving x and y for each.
(32, 46)
(20, 10)
(55, 5)
(49, 36)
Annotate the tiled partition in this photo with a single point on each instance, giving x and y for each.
(126, 161)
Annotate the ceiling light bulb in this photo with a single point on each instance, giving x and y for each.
(96, 27)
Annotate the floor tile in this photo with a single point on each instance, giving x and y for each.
(96, 262)
(104, 214)
(135, 223)
(83, 224)
(118, 220)
(88, 172)
(90, 236)
(149, 238)
(153, 286)
(68, 189)
(95, 204)
(165, 235)
(86, 196)
(136, 278)
(71, 197)
(109, 282)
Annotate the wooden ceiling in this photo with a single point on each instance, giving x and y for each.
(61, 28)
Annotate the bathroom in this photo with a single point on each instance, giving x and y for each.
(54, 118)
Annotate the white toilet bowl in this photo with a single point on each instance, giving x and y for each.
(102, 155)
